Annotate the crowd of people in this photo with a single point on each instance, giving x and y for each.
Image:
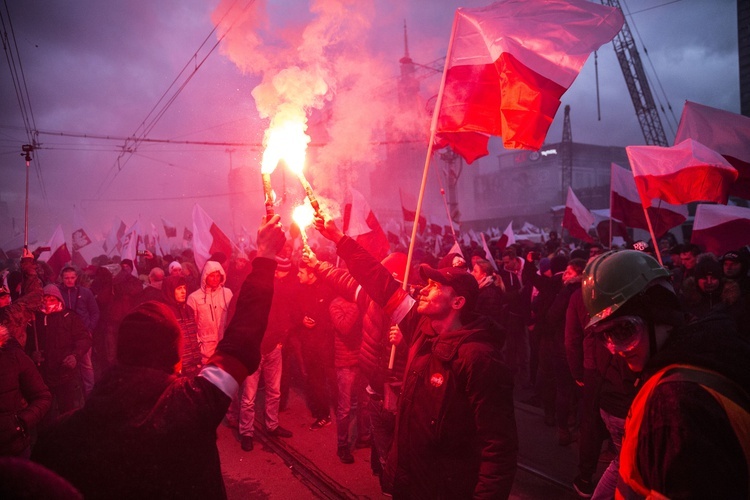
(123, 365)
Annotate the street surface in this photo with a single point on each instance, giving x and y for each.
(309, 456)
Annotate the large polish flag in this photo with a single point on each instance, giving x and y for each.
(625, 205)
(207, 237)
(726, 133)
(361, 224)
(577, 218)
(686, 172)
(721, 228)
(58, 255)
(508, 65)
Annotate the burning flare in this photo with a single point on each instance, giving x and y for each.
(303, 216)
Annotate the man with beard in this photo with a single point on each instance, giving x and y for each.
(455, 431)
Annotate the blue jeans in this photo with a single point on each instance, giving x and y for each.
(270, 367)
(608, 482)
(345, 378)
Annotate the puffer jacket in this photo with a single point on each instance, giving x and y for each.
(375, 349)
(24, 398)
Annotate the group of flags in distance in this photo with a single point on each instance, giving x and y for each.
(126, 241)
(665, 179)
(507, 67)
(509, 63)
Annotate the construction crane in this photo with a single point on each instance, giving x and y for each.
(635, 79)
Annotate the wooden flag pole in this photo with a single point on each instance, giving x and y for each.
(653, 237)
(428, 158)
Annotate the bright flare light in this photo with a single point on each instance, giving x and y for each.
(285, 141)
(303, 216)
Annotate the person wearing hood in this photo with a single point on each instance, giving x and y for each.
(211, 305)
(146, 432)
(456, 431)
(57, 342)
(175, 296)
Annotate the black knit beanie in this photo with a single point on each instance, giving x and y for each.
(150, 336)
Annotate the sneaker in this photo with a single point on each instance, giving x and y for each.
(345, 455)
(320, 423)
(246, 442)
(280, 432)
(584, 488)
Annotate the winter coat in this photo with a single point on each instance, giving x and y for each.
(81, 300)
(211, 310)
(456, 431)
(348, 325)
(587, 353)
(146, 434)
(60, 334)
(686, 447)
(375, 348)
(16, 316)
(24, 398)
(191, 351)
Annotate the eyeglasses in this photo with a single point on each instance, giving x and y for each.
(621, 334)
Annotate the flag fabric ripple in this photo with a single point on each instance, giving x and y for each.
(577, 218)
(208, 238)
(508, 66)
(625, 205)
(726, 133)
(721, 228)
(686, 172)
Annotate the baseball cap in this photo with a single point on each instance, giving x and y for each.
(462, 282)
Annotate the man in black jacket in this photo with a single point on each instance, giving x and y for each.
(144, 432)
(456, 431)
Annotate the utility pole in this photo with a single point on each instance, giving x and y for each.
(566, 155)
(27, 150)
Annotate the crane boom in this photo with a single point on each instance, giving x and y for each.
(635, 79)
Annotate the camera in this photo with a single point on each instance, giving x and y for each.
(44, 249)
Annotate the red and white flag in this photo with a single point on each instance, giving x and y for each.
(487, 254)
(207, 237)
(156, 240)
(721, 228)
(410, 215)
(361, 224)
(577, 218)
(58, 255)
(170, 230)
(508, 65)
(456, 248)
(113, 240)
(726, 133)
(683, 173)
(508, 238)
(131, 242)
(625, 205)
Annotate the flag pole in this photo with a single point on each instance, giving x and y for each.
(651, 230)
(433, 131)
(445, 204)
(610, 209)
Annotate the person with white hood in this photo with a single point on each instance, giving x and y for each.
(211, 303)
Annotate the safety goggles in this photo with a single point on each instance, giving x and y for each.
(621, 334)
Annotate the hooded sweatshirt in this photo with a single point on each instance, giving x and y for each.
(210, 308)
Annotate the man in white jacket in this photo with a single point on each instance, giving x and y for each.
(211, 304)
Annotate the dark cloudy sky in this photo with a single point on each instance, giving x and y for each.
(99, 69)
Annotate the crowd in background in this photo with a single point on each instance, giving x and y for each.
(322, 336)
